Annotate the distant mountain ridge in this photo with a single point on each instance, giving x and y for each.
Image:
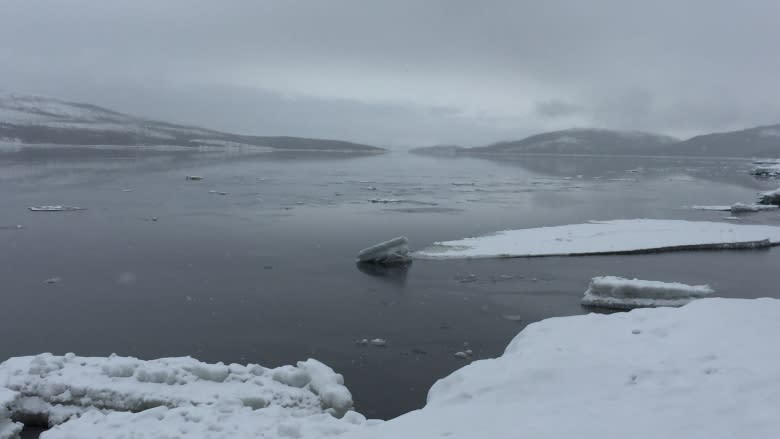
(29, 119)
(761, 141)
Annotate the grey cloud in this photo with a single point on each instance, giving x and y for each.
(449, 71)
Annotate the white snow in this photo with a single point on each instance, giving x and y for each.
(621, 293)
(600, 237)
(708, 370)
(737, 208)
(8, 428)
(394, 251)
(55, 388)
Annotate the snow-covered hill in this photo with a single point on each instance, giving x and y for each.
(584, 141)
(29, 119)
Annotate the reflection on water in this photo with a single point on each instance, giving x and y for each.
(394, 274)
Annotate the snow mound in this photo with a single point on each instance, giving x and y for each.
(707, 370)
(394, 251)
(737, 208)
(607, 237)
(8, 428)
(770, 197)
(54, 388)
(621, 293)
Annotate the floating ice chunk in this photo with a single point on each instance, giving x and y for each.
(193, 178)
(56, 208)
(379, 342)
(706, 370)
(737, 208)
(72, 383)
(770, 197)
(394, 251)
(8, 428)
(620, 293)
(607, 237)
(767, 169)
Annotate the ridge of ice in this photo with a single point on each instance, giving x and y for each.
(621, 293)
(607, 237)
(394, 251)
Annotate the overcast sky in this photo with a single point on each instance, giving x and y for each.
(405, 73)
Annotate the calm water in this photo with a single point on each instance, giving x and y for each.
(160, 266)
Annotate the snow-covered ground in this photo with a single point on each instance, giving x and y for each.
(604, 237)
(621, 293)
(708, 370)
(56, 388)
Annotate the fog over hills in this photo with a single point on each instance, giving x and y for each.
(29, 119)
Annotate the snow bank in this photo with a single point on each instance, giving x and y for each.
(394, 251)
(55, 388)
(621, 293)
(8, 428)
(708, 370)
(770, 197)
(737, 208)
(607, 237)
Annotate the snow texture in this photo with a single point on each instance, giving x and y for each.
(770, 197)
(607, 237)
(54, 388)
(621, 293)
(708, 370)
(394, 251)
(737, 208)
(8, 428)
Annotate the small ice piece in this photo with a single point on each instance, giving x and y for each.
(767, 169)
(55, 208)
(379, 342)
(53, 280)
(193, 178)
(394, 251)
(385, 200)
(770, 197)
(461, 355)
(217, 192)
(621, 293)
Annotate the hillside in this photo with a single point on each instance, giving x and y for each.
(28, 119)
(583, 141)
(763, 141)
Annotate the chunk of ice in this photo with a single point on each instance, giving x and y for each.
(56, 208)
(621, 293)
(394, 251)
(770, 197)
(8, 428)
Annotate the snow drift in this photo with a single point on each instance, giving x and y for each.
(621, 293)
(607, 237)
(8, 428)
(708, 370)
(394, 251)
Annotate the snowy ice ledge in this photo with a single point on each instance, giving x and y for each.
(620, 293)
(53, 388)
(8, 428)
(708, 370)
(607, 237)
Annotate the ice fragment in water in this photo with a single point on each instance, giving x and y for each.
(394, 251)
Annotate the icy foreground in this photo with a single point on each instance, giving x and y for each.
(607, 237)
(8, 428)
(177, 393)
(621, 293)
(708, 370)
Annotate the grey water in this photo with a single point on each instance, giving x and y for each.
(255, 263)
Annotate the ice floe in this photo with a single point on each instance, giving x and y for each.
(607, 237)
(56, 388)
(737, 208)
(706, 370)
(55, 208)
(770, 197)
(621, 293)
(394, 251)
(766, 169)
